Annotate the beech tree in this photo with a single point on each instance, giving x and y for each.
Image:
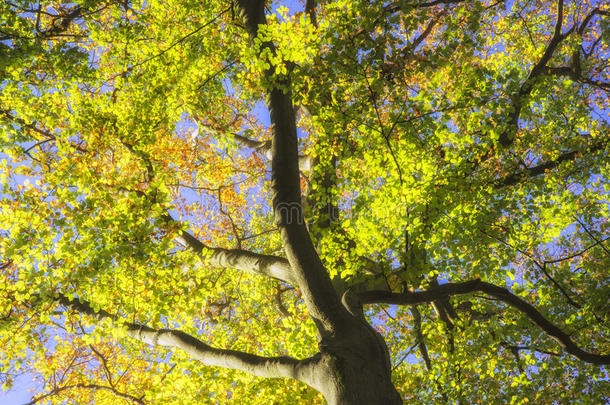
(351, 202)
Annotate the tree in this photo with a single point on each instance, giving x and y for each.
(424, 217)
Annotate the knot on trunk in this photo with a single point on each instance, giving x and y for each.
(352, 303)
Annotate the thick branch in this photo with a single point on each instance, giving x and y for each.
(321, 299)
(394, 7)
(269, 367)
(576, 76)
(537, 170)
(518, 99)
(419, 337)
(310, 10)
(503, 294)
(264, 147)
(238, 259)
(265, 265)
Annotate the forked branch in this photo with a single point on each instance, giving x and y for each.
(501, 293)
(269, 367)
(238, 259)
(518, 99)
(543, 167)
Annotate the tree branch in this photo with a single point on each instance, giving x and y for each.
(178, 41)
(593, 13)
(419, 337)
(530, 172)
(238, 259)
(269, 367)
(542, 267)
(598, 242)
(104, 364)
(501, 293)
(507, 137)
(264, 147)
(394, 7)
(261, 264)
(575, 76)
(310, 10)
(424, 34)
(57, 390)
(312, 278)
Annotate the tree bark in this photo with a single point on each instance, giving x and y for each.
(353, 366)
(501, 293)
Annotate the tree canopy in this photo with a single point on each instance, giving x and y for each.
(357, 202)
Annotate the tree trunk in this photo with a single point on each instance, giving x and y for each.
(353, 366)
(356, 371)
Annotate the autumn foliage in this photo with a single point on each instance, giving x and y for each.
(453, 170)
